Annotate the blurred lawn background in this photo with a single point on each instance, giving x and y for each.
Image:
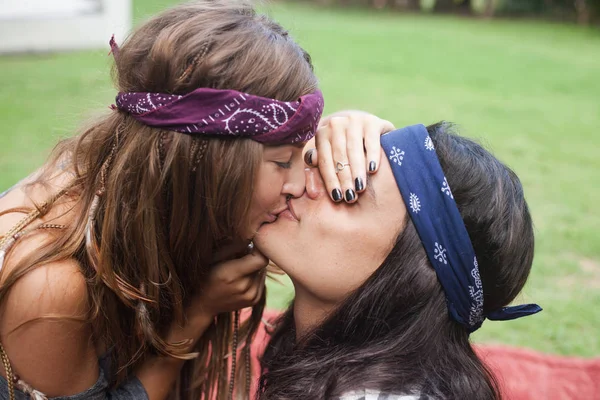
(529, 91)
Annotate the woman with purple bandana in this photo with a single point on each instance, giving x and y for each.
(389, 289)
(132, 245)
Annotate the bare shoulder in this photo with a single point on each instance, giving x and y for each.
(44, 313)
(58, 288)
(45, 330)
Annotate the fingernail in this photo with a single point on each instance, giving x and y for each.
(336, 194)
(372, 166)
(308, 157)
(359, 184)
(350, 195)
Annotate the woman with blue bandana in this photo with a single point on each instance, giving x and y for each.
(389, 290)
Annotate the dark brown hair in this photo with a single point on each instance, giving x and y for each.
(394, 333)
(170, 199)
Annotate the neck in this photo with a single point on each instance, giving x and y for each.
(309, 312)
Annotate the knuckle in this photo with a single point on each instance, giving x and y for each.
(338, 122)
(263, 261)
(323, 133)
(223, 277)
(250, 295)
(387, 125)
(373, 119)
(354, 119)
(241, 286)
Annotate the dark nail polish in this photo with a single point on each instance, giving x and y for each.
(359, 184)
(372, 166)
(308, 157)
(336, 194)
(350, 195)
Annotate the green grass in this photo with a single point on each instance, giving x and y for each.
(530, 91)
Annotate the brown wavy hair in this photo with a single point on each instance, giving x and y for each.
(170, 199)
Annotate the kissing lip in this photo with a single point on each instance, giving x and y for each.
(291, 208)
(277, 212)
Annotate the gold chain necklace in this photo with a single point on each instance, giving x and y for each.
(9, 373)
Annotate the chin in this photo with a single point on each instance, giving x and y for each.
(271, 237)
(265, 235)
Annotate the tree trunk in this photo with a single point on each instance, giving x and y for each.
(414, 5)
(489, 9)
(410, 5)
(443, 6)
(448, 6)
(583, 12)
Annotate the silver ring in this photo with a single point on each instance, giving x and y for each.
(339, 166)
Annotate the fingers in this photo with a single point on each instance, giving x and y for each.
(347, 148)
(326, 164)
(356, 155)
(342, 130)
(259, 286)
(251, 288)
(240, 267)
(374, 128)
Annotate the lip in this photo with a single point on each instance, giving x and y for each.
(291, 208)
(276, 213)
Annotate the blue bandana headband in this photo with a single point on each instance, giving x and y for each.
(433, 211)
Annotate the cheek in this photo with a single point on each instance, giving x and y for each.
(345, 246)
(267, 190)
(338, 255)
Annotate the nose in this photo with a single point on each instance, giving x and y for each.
(295, 182)
(315, 186)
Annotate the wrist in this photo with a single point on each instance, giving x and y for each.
(191, 330)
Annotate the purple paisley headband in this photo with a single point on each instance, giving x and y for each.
(227, 113)
(215, 112)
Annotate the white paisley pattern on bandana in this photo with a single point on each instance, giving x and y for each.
(476, 294)
(227, 112)
(415, 203)
(441, 228)
(446, 188)
(429, 144)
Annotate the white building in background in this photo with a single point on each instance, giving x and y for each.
(53, 25)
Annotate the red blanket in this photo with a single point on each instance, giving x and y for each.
(523, 374)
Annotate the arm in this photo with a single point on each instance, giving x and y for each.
(158, 374)
(58, 357)
(231, 285)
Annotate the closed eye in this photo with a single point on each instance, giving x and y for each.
(285, 164)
